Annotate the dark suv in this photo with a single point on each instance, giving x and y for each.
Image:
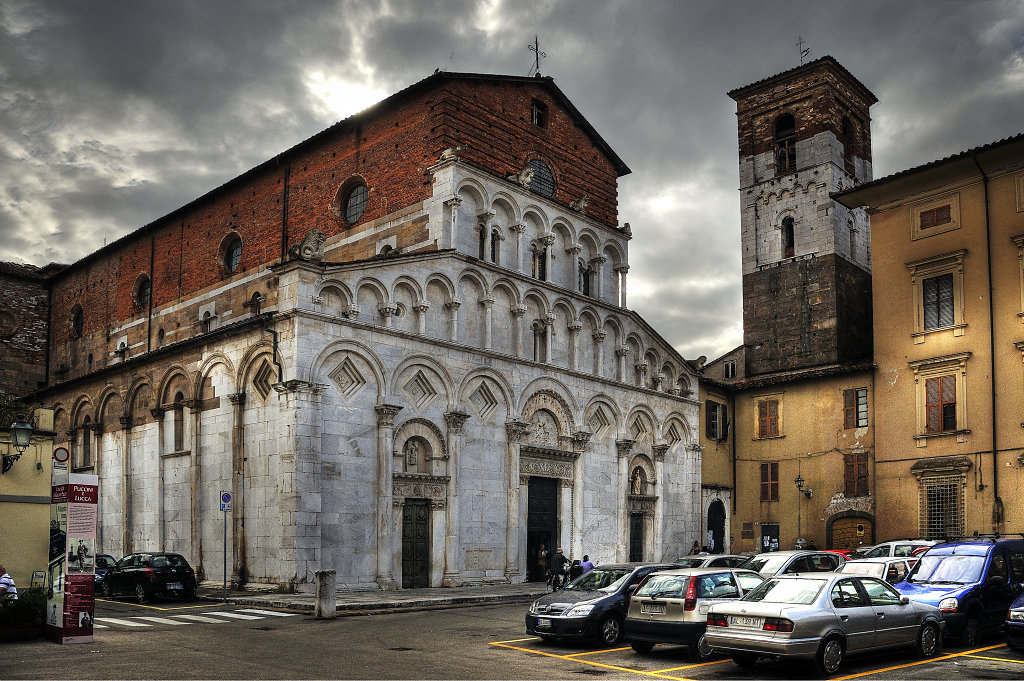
(145, 575)
(591, 606)
(973, 582)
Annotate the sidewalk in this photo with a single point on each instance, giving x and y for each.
(362, 602)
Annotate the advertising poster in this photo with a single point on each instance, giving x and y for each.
(71, 586)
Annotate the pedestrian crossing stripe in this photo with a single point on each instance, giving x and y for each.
(235, 615)
(161, 620)
(138, 621)
(201, 618)
(126, 623)
(270, 613)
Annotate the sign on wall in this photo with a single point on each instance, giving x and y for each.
(70, 574)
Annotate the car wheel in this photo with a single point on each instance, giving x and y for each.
(699, 649)
(189, 594)
(141, 593)
(830, 656)
(609, 632)
(928, 640)
(642, 647)
(745, 660)
(108, 590)
(972, 632)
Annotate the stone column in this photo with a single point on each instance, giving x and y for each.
(549, 324)
(195, 485)
(487, 303)
(659, 504)
(386, 311)
(641, 373)
(239, 551)
(597, 267)
(485, 217)
(517, 328)
(453, 319)
(623, 448)
(565, 503)
(599, 337)
(547, 240)
(454, 420)
(574, 345)
(518, 230)
(620, 354)
(453, 204)
(385, 445)
(128, 496)
(659, 379)
(579, 445)
(621, 271)
(515, 432)
(125, 440)
(574, 257)
(421, 316)
(438, 549)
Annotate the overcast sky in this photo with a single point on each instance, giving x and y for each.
(113, 114)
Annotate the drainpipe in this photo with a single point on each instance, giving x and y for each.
(149, 312)
(284, 215)
(997, 510)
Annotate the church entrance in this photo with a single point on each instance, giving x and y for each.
(415, 543)
(716, 526)
(636, 537)
(541, 525)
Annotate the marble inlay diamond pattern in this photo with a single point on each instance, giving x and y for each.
(261, 380)
(599, 421)
(483, 400)
(347, 379)
(639, 430)
(420, 390)
(673, 435)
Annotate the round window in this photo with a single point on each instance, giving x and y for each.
(543, 181)
(233, 255)
(355, 203)
(143, 293)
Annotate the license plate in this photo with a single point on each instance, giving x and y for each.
(174, 585)
(653, 608)
(741, 621)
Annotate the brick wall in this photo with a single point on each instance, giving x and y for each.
(23, 318)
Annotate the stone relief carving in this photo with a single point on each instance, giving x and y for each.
(580, 204)
(545, 468)
(311, 248)
(451, 153)
(543, 428)
(418, 486)
(523, 178)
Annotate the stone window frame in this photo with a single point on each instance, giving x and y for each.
(916, 209)
(138, 304)
(539, 114)
(77, 319)
(935, 367)
(1018, 183)
(339, 206)
(226, 245)
(769, 397)
(716, 428)
(935, 266)
(1019, 241)
(855, 412)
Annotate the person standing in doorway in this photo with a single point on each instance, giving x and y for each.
(542, 563)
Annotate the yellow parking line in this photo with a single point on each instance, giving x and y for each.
(690, 666)
(593, 664)
(597, 652)
(997, 659)
(914, 664)
(515, 640)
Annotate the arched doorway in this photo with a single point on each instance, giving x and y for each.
(848, 531)
(716, 526)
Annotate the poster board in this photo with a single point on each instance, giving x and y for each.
(71, 570)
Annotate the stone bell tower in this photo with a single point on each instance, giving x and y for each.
(804, 134)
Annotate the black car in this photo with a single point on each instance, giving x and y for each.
(103, 563)
(145, 575)
(591, 606)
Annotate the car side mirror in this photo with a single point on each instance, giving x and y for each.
(904, 599)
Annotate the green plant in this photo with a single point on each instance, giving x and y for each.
(28, 608)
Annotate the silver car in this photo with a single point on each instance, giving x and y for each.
(900, 548)
(892, 570)
(821, 618)
(706, 560)
(672, 606)
(792, 562)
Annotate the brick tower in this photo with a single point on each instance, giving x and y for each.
(804, 134)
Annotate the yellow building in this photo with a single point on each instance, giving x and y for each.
(717, 464)
(25, 501)
(948, 289)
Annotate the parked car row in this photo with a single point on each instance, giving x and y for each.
(145, 576)
(801, 605)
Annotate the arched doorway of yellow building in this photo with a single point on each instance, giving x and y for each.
(850, 529)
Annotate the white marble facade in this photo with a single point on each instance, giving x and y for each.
(426, 374)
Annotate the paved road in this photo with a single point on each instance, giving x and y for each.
(211, 640)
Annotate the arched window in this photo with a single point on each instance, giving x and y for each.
(207, 323)
(354, 203)
(785, 143)
(539, 262)
(179, 422)
(584, 278)
(540, 338)
(85, 459)
(143, 292)
(77, 321)
(482, 242)
(231, 253)
(495, 239)
(788, 239)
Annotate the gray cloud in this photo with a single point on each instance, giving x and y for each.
(113, 114)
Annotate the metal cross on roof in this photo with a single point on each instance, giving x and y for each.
(535, 47)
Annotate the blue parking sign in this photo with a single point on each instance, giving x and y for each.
(225, 501)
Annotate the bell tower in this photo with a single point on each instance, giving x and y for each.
(804, 134)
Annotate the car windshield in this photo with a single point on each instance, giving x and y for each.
(863, 568)
(800, 591)
(664, 586)
(104, 562)
(947, 569)
(689, 562)
(765, 562)
(599, 579)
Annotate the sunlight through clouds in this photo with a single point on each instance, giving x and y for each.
(339, 99)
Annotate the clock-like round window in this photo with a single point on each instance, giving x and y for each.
(543, 181)
(355, 203)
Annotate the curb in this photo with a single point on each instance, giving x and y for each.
(344, 609)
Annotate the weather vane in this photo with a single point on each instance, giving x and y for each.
(804, 51)
(535, 47)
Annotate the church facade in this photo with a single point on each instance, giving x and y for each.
(403, 345)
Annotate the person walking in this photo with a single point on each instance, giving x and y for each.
(586, 564)
(7, 587)
(695, 549)
(558, 563)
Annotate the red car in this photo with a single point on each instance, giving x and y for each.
(845, 553)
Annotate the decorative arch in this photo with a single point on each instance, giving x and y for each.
(410, 283)
(336, 295)
(83, 407)
(675, 422)
(140, 400)
(540, 300)
(537, 214)
(174, 375)
(641, 467)
(564, 304)
(315, 373)
(206, 366)
(399, 383)
(504, 387)
(589, 241)
(646, 418)
(565, 228)
(444, 282)
(472, 189)
(509, 287)
(613, 251)
(379, 289)
(507, 203)
(556, 404)
(423, 430)
(612, 323)
(602, 416)
(476, 278)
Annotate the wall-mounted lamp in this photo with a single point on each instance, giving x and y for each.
(800, 486)
(21, 437)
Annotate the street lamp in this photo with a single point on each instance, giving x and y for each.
(21, 437)
(800, 486)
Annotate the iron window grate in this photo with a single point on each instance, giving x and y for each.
(942, 506)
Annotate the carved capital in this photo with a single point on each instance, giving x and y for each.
(191, 404)
(352, 311)
(386, 414)
(518, 228)
(695, 447)
(454, 420)
(575, 249)
(297, 386)
(454, 202)
(486, 303)
(387, 309)
(96, 428)
(624, 447)
(237, 398)
(622, 351)
(641, 367)
(575, 327)
(659, 451)
(453, 304)
(485, 216)
(598, 260)
(126, 422)
(599, 336)
(518, 310)
(157, 412)
(516, 430)
(525, 479)
(546, 239)
(580, 439)
(421, 307)
(621, 268)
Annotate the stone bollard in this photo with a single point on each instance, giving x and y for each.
(326, 599)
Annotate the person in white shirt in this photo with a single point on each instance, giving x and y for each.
(7, 584)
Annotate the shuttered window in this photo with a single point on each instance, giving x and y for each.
(938, 301)
(856, 474)
(768, 418)
(770, 481)
(940, 404)
(935, 216)
(855, 408)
